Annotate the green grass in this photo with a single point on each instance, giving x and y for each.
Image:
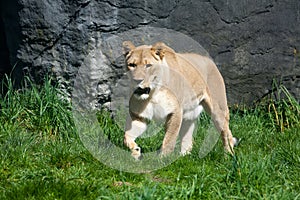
(42, 157)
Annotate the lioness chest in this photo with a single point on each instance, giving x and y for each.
(162, 103)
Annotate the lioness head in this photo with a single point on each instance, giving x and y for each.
(137, 58)
(155, 76)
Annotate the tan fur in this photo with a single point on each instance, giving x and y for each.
(180, 85)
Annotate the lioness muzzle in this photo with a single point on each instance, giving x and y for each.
(140, 91)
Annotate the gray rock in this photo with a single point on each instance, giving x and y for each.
(79, 42)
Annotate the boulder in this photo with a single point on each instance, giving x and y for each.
(79, 42)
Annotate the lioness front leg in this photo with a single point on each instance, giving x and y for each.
(134, 128)
(186, 136)
(172, 126)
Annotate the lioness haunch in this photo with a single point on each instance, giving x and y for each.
(174, 87)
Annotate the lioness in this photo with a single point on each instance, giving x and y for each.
(174, 87)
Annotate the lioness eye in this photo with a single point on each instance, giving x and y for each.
(148, 65)
(132, 65)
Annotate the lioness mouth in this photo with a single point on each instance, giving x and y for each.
(140, 91)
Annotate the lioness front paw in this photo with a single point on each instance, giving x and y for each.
(184, 153)
(136, 153)
(165, 152)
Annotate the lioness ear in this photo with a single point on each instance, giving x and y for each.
(159, 49)
(127, 47)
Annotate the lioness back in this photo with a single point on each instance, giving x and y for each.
(211, 75)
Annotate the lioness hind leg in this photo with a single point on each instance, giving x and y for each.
(172, 126)
(134, 128)
(220, 117)
(186, 136)
(221, 121)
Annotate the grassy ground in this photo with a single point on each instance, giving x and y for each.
(42, 157)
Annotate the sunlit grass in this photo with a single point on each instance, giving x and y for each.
(40, 109)
(42, 157)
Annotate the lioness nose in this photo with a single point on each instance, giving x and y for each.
(140, 91)
(137, 81)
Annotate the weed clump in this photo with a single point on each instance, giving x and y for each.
(282, 109)
(38, 108)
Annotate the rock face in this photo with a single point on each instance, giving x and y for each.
(253, 43)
